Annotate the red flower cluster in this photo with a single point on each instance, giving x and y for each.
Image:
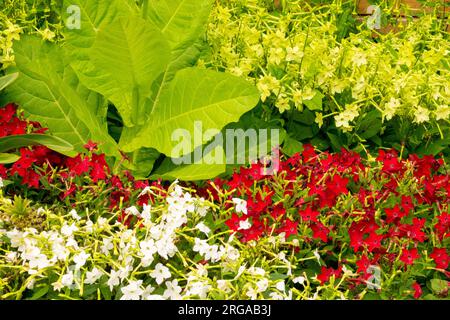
(340, 198)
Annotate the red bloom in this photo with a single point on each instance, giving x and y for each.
(289, 227)
(417, 290)
(327, 273)
(338, 185)
(363, 263)
(394, 214)
(91, 146)
(7, 113)
(409, 256)
(320, 231)
(309, 215)
(441, 258)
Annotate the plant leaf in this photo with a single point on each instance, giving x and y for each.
(130, 53)
(50, 93)
(25, 140)
(7, 80)
(213, 98)
(6, 158)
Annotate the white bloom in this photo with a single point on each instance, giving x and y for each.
(173, 290)
(147, 250)
(113, 280)
(146, 213)
(11, 256)
(68, 230)
(133, 291)
(276, 296)
(240, 205)
(198, 288)
(102, 222)
(255, 271)
(132, 211)
(316, 254)
(244, 225)
(252, 293)
(89, 227)
(93, 276)
(160, 273)
(280, 286)
(1, 183)
(203, 228)
(67, 279)
(107, 246)
(299, 279)
(73, 213)
(223, 285)
(60, 252)
(72, 243)
(80, 259)
(262, 285)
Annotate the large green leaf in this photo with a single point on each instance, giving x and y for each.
(131, 53)
(24, 140)
(183, 23)
(7, 80)
(95, 16)
(49, 91)
(198, 169)
(214, 99)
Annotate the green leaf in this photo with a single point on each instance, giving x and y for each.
(172, 17)
(6, 158)
(291, 146)
(315, 103)
(40, 293)
(142, 162)
(370, 125)
(7, 80)
(129, 55)
(197, 170)
(25, 140)
(213, 99)
(438, 286)
(50, 93)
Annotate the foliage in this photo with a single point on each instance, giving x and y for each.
(138, 59)
(338, 88)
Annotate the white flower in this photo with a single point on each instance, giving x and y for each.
(113, 280)
(422, 115)
(262, 285)
(80, 259)
(147, 249)
(133, 291)
(1, 183)
(89, 227)
(57, 286)
(280, 285)
(316, 254)
(276, 296)
(256, 271)
(240, 205)
(203, 228)
(160, 273)
(223, 285)
(102, 222)
(244, 225)
(132, 211)
(93, 276)
(107, 246)
(252, 293)
(60, 252)
(73, 213)
(72, 243)
(67, 279)
(299, 279)
(173, 290)
(198, 288)
(68, 230)
(146, 213)
(11, 256)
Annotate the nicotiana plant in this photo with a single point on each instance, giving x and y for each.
(139, 58)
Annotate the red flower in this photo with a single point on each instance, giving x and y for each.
(441, 258)
(394, 214)
(409, 256)
(327, 273)
(417, 290)
(289, 228)
(91, 146)
(338, 185)
(309, 215)
(363, 263)
(320, 231)
(7, 113)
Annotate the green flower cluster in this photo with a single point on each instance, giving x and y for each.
(18, 17)
(297, 59)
